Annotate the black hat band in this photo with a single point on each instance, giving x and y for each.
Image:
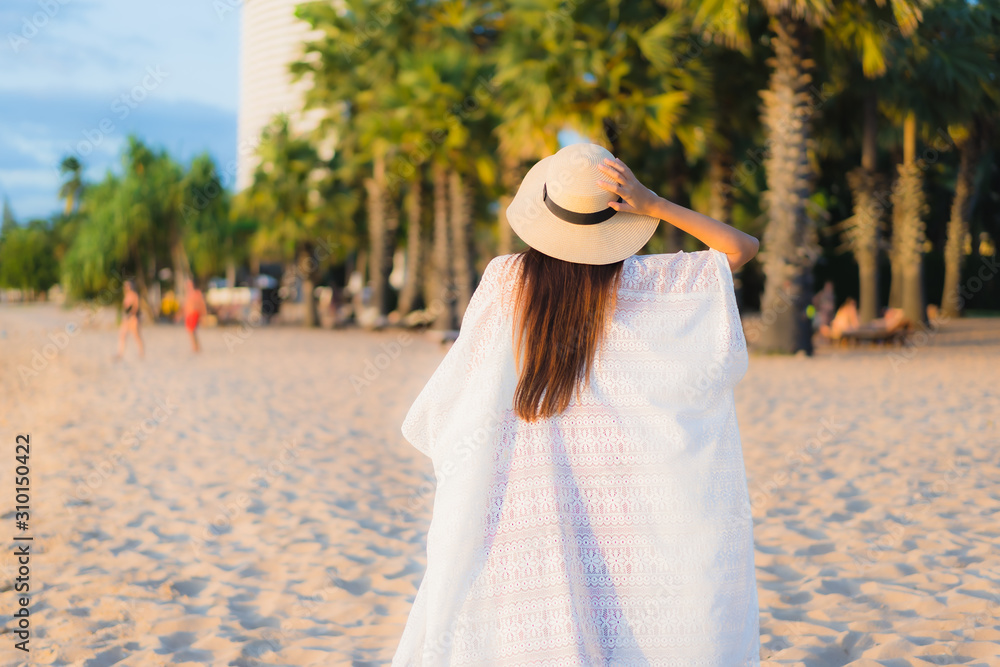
(573, 216)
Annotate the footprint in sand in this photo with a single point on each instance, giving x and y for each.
(107, 658)
(358, 586)
(190, 588)
(178, 644)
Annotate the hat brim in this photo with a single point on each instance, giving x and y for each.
(620, 236)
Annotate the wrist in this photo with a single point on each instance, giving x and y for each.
(660, 208)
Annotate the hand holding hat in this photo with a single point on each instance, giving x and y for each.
(636, 197)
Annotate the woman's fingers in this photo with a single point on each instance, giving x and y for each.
(621, 168)
(622, 206)
(614, 188)
(614, 174)
(619, 171)
(614, 163)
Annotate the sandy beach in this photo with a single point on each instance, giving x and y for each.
(256, 505)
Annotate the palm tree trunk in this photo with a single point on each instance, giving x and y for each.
(389, 249)
(179, 258)
(863, 232)
(909, 205)
(461, 251)
(307, 269)
(377, 228)
(789, 245)
(414, 247)
(357, 299)
(896, 270)
(442, 299)
(143, 292)
(958, 228)
(864, 240)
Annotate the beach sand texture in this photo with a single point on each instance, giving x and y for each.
(253, 506)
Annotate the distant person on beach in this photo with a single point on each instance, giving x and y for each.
(846, 319)
(130, 320)
(169, 306)
(194, 308)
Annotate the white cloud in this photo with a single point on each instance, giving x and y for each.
(106, 45)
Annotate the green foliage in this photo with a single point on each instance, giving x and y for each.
(129, 222)
(27, 260)
(9, 224)
(154, 214)
(212, 238)
(297, 199)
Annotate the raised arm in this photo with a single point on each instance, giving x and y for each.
(739, 246)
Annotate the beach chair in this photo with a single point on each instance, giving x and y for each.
(878, 335)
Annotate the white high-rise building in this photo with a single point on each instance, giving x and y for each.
(271, 38)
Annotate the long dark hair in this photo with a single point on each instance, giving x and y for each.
(560, 313)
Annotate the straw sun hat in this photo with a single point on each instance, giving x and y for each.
(560, 210)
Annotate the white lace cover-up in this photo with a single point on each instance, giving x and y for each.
(616, 533)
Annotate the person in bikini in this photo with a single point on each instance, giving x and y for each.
(194, 308)
(130, 320)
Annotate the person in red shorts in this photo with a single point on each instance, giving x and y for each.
(194, 308)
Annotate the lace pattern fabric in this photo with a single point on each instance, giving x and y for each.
(616, 533)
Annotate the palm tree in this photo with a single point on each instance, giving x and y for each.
(215, 240)
(72, 187)
(442, 283)
(862, 231)
(909, 206)
(958, 223)
(383, 222)
(461, 226)
(976, 28)
(865, 225)
(847, 37)
(789, 247)
(456, 38)
(945, 75)
(359, 92)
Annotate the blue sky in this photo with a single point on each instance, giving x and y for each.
(78, 76)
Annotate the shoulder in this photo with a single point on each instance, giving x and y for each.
(498, 279)
(501, 264)
(501, 271)
(678, 272)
